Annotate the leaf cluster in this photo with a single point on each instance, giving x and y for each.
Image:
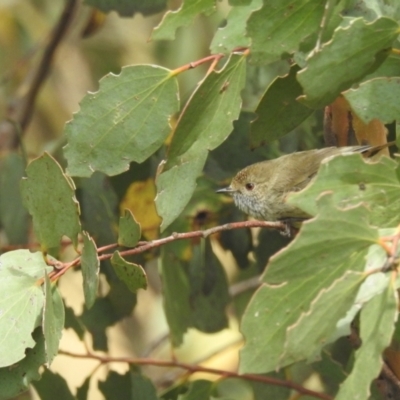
(338, 277)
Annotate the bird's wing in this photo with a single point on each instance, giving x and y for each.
(295, 175)
(302, 167)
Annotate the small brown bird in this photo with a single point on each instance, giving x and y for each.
(261, 189)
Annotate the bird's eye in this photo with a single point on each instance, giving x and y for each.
(249, 186)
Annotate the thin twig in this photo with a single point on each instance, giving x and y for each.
(195, 64)
(107, 247)
(389, 375)
(155, 345)
(202, 234)
(22, 112)
(145, 246)
(191, 368)
(392, 250)
(244, 286)
(176, 375)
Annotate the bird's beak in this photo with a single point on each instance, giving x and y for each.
(226, 190)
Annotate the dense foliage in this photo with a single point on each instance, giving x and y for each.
(131, 182)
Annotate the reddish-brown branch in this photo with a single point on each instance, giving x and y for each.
(199, 234)
(390, 244)
(195, 64)
(192, 368)
(213, 65)
(214, 58)
(145, 246)
(108, 247)
(61, 271)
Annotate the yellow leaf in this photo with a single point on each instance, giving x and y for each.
(139, 198)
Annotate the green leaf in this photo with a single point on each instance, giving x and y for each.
(99, 208)
(241, 389)
(90, 264)
(377, 326)
(269, 243)
(352, 181)
(234, 389)
(97, 319)
(142, 387)
(53, 320)
(172, 392)
(129, 230)
(107, 311)
(234, 153)
(233, 35)
(331, 372)
(129, 386)
(83, 390)
(49, 196)
(126, 120)
(132, 275)
(278, 28)
(53, 386)
(21, 303)
(307, 336)
(184, 16)
(73, 322)
(127, 8)
(373, 285)
(176, 305)
(377, 98)
(204, 125)
(278, 111)
(389, 68)
(238, 241)
(353, 52)
(116, 386)
(175, 258)
(199, 389)
(372, 9)
(16, 380)
(13, 216)
(215, 104)
(209, 294)
(121, 298)
(327, 246)
(239, 2)
(203, 294)
(171, 199)
(99, 204)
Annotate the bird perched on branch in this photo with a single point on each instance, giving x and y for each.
(261, 189)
